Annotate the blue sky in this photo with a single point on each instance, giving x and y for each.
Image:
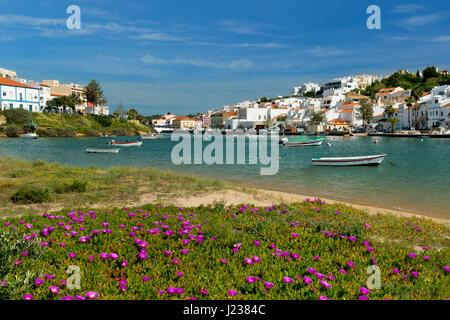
(189, 56)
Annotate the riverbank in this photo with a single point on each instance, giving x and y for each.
(133, 186)
(69, 125)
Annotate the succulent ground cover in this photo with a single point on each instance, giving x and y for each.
(309, 250)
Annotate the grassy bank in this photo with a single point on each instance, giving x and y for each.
(61, 187)
(51, 124)
(309, 250)
(81, 123)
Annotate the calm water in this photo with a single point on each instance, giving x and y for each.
(415, 176)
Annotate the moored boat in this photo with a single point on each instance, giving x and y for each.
(303, 141)
(151, 136)
(135, 143)
(29, 136)
(94, 150)
(372, 160)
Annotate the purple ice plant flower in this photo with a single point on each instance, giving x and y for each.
(412, 255)
(53, 289)
(232, 293)
(294, 235)
(223, 260)
(325, 284)
(268, 285)
(143, 256)
(38, 282)
(92, 295)
(320, 275)
(251, 279)
(311, 270)
(415, 274)
(72, 255)
(104, 256)
(307, 280)
(364, 291)
(350, 264)
(114, 256)
(248, 261)
(363, 298)
(323, 298)
(28, 297)
(287, 279)
(204, 291)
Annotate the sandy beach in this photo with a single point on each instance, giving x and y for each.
(262, 197)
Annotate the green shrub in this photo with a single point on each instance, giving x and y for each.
(92, 133)
(66, 132)
(75, 186)
(18, 116)
(13, 131)
(50, 132)
(29, 195)
(105, 121)
(120, 132)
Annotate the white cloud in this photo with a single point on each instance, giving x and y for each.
(244, 28)
(159, 36)
(319, 51)
(441, 39)
(407, 8)
(422, 20)
(234, 64)
(11, 19)
(260, 45)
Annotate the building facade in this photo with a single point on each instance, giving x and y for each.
(14, 95)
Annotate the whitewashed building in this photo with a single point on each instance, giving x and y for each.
(438, 107)
(14, 95)
(305, 87)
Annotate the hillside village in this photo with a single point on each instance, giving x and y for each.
(338, 105)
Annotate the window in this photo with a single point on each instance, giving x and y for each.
(30, 108)
(11, 106)
(21, 106)
(4, 94)
(21, 96)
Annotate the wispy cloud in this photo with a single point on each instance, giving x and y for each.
(260, 45)
(441, 39)
(241, 63)
(11, 19)
(245, 28)
(158, 36)
(407, 8)
(319, 51)
(422, 20)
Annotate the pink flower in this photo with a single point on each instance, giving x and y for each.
(350, 264)
(364, 291)
(256, 243)
(251, 279)
(295, 235)
(256, 259)
(323, 298)
(367, 225)
(447, 269)
(223, 260)
(232, 293)
(180, 274)
(307, 280)
(316, 257)
(325, 284)
(415, 274)
(248, 261)
(54, 289)
(363, 298)
(268, 285)
(287, 279)
(92, 295)
(311, 270)
(412, 255)
(320, 275)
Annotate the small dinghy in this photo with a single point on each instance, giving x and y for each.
(303, 141)
(136, 143)
(151, 136)
(29, 136)
(93, 150)
(350, 161)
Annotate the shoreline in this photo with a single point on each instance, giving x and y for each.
(265, 197)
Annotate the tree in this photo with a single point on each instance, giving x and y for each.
(132, 114)
(30, 127)
(120, 111)
(93, 93)
(390, 111)
(417, 93)
(317, 118)
(310, 94)
(74, 100)
(429, 72)
(365, 111)
(264, 99)
(17, 116)
(409, 102)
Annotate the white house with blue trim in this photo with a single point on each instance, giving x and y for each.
(14, 95)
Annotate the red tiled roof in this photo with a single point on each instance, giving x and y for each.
(338, 121)
(347, 110)
(9, 82)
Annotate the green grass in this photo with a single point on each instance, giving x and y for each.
(71, 187)
(223, 228)
(81, 124)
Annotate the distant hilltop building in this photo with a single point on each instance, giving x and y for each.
(305, 87)
(5, 73)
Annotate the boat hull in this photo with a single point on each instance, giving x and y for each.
(350, 161)
(151, 137)
(127, 144)
(92, 150)
(29, 136)
(303, 143)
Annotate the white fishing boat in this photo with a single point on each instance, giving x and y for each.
(151, 136)
(94, 150)
(29, 136)
(135, 143)
(303, 141)
(350, 161)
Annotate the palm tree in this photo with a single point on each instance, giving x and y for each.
(409, 102)
(417, 93)
(74, 100)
